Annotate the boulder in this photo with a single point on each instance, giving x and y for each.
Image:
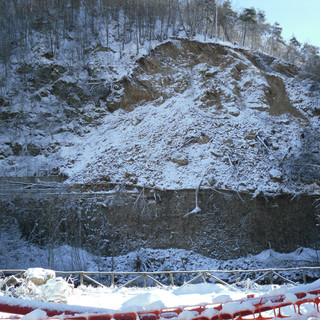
(39, 276)
(180, 159)
(276, 175)
(9, 282)
(56, 290)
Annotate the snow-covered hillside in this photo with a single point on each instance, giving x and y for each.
(185, 114)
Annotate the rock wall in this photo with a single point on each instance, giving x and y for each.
(229, 224)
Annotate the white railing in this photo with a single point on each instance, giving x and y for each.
(225, 277)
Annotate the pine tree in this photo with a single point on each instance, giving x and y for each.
(248, 17)
(227, 20)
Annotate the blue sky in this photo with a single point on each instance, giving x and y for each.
(298, 17)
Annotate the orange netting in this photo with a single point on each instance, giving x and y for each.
(303, 305)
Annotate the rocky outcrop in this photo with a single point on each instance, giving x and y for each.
(172, 68)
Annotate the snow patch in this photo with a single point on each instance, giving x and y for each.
(35, 315)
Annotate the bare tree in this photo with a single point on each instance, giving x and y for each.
(311, 55)
(275, 38)
(293, 50)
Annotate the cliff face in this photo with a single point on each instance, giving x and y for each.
(218, 76)
(226, 225)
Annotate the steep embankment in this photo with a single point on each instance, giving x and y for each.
(206, 112)
(242, 124)
(184, 114)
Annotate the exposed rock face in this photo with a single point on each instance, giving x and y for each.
(277, 97)
(173, 67)
(229, 224)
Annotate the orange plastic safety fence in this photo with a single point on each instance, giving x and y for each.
(263, 308)
(100, 317)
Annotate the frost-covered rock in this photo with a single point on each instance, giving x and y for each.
(180, 159)
(56, 290)
(276, 175)
(234, 111)
(39, 276)
(8, 282)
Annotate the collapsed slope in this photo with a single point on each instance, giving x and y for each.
(187, 113)
(194, 113)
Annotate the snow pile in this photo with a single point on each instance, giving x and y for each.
(37, 284)
(56, 290)
(35, 315)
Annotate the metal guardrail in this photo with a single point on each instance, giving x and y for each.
(255, 276)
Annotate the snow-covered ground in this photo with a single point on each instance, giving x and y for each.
(16, 253)
(115, 300)
(137, 299)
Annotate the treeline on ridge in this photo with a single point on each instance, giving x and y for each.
(140, 22)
